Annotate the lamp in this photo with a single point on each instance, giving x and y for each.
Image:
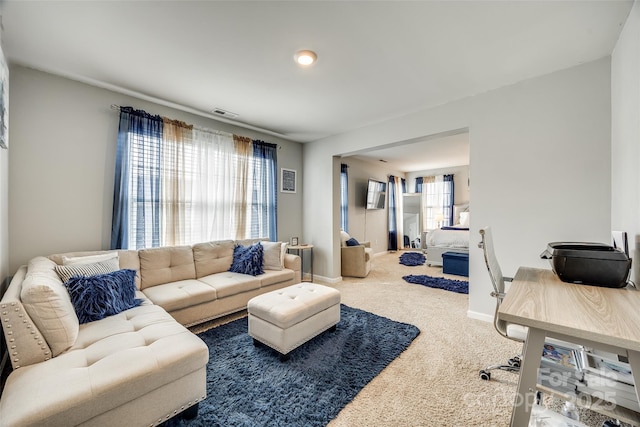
(439, 218)
(305, 57)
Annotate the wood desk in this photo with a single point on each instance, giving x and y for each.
(602, 318)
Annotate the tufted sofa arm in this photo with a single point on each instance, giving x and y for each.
(24, 341)
(294, 263)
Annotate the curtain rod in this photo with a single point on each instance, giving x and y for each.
(116, 107)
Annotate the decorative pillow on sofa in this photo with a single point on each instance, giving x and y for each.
(273, 258)
(67, 271)
(248, 259)
(352, 242)
(96, 297)
(48, 304)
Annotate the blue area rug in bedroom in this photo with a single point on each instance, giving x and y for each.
(412, 259)
(250, 386)
(458, 286)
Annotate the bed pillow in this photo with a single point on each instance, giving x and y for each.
(67, 271)
(352, 242)
(464, 219)
(456, 211)
(102, 295)
(248, 259)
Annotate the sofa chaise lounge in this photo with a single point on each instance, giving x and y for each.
(139, 367)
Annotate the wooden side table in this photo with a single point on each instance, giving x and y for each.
(300, 249)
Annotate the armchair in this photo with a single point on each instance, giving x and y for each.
(355, 260)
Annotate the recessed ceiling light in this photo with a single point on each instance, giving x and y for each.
(305, 57)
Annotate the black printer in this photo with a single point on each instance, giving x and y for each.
(589, 263)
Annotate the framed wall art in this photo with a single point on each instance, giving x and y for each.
(288, 180)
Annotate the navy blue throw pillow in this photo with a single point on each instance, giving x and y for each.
(248, 259)
(102, 295)
(352, 242)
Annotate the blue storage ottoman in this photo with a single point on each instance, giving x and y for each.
(455, 263)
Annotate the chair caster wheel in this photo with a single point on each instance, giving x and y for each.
(484, 375)
(514, 362)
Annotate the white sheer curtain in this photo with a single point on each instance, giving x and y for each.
(432, 195)
(214, 193)
(177, 150)
(202, 186)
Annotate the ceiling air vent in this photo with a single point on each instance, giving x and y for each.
(224, 113)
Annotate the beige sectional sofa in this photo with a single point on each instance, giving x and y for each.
(139, 367)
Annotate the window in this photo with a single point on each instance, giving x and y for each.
(176, 185)
(438, 201)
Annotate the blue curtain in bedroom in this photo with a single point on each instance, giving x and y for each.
(392, 244)
(344, 197)
(419, 184)
(448, 199)
(147, 131)
(264, 198)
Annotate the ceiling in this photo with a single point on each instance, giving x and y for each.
(376, 59)
(429, 154)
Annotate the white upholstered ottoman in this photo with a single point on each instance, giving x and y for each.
(289, 317)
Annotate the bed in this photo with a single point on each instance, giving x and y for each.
(447, 239)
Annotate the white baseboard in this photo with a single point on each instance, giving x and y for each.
(480, 316)
(331, 280)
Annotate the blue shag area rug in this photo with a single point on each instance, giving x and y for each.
(459, 286)
(250, 386)
(412, 259)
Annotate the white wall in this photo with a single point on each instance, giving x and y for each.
(63, 140)
(540, 162)
(625, 135)
(4, 214)
(4, 209)
(368, 224)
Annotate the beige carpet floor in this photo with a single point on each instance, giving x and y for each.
(435, 382)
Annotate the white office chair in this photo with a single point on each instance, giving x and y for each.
(513, 332)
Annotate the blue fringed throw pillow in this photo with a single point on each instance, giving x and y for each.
(352, 242)
(102, 295)
(248, 259)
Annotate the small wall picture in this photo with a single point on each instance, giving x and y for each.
(294, 241)
(287, 180)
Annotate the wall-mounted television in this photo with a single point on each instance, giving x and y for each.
(376, 194)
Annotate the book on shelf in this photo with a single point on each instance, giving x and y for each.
(560, 367)
(562, 357)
